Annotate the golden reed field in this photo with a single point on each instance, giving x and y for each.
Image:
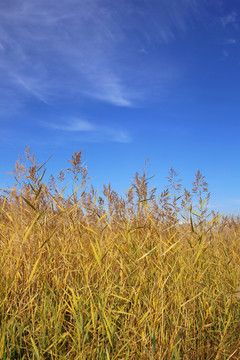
(151, 275)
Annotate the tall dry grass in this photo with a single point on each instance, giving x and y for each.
(85, 276)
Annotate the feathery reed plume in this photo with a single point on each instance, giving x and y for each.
(89, 275)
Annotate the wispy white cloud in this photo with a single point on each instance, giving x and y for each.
(230, 41)
(74, 125)
(92, 132)
(32, 86)
(85, 49)
(111, 90)
(51, 49)
(54, 49)
(229, 19)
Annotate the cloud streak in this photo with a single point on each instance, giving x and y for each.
(67, 49)
(229, 19)
(91, 131)
(62, 49)
(73, 125)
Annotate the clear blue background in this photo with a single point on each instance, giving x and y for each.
(124, 81)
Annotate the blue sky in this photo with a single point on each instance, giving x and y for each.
(123, 81)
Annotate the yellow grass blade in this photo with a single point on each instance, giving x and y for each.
(149, 252)
(193, 298)
(56, 203)
(214, 220)
(5, 226)
(102, 217)
(89, 229)
(204, 201)
(35, 348)
(120, 297)
(195, 213)
(119, 352)
(144, 317)
(58, 340)
(96, 254)
(7, 250)
(10, 218)
(92, 315)
(108, 356)
(2, 345)
(122, 312)
(37, 217)
(107, 327)
(34, 269)
(171, 247)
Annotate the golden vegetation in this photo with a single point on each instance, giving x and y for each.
(85, 276)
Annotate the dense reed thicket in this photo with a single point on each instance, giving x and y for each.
(144, 276)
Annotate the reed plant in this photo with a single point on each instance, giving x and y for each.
(85, 275)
